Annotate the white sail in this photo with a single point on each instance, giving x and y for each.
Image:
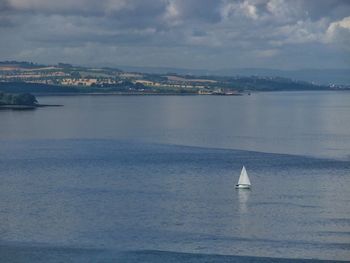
(243, 178)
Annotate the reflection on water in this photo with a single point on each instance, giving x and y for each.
(243, 213)
(306, 123)
(243, 198)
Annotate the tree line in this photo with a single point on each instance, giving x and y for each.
(17, 99)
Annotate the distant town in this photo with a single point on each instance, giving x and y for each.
(65, 78)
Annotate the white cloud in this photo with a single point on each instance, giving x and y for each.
(339, 31)
(172, 14)
(285, 11)
(250, 10)
(237, 9)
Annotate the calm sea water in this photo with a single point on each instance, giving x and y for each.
(133, 174)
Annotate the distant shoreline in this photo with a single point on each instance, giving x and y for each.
(26, 107)
(39, 94)
(128, 94)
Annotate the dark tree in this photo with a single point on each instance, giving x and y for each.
(24, 99)
(17, 99)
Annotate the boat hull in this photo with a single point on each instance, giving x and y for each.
(242, 186)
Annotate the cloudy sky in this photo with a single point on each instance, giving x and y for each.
(204, 34)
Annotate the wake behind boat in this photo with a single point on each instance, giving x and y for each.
(243, 182)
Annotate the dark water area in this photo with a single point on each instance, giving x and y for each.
(115, 182)
(163, 256)
(38, 254)
(109, 194)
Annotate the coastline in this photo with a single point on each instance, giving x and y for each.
(129, 94)
(40, 94)
(27, 107)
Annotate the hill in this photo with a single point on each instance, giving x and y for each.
(67, 78)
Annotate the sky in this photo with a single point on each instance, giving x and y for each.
(195, 34)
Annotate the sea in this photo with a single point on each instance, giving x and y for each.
(151, 179)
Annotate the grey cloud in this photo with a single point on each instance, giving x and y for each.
(203, 10)
(195, 32)
(139, 14)
(6, 21)
(335, 9)
(4, 5)
(62, 7)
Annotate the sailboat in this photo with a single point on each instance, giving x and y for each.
(243, 182)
